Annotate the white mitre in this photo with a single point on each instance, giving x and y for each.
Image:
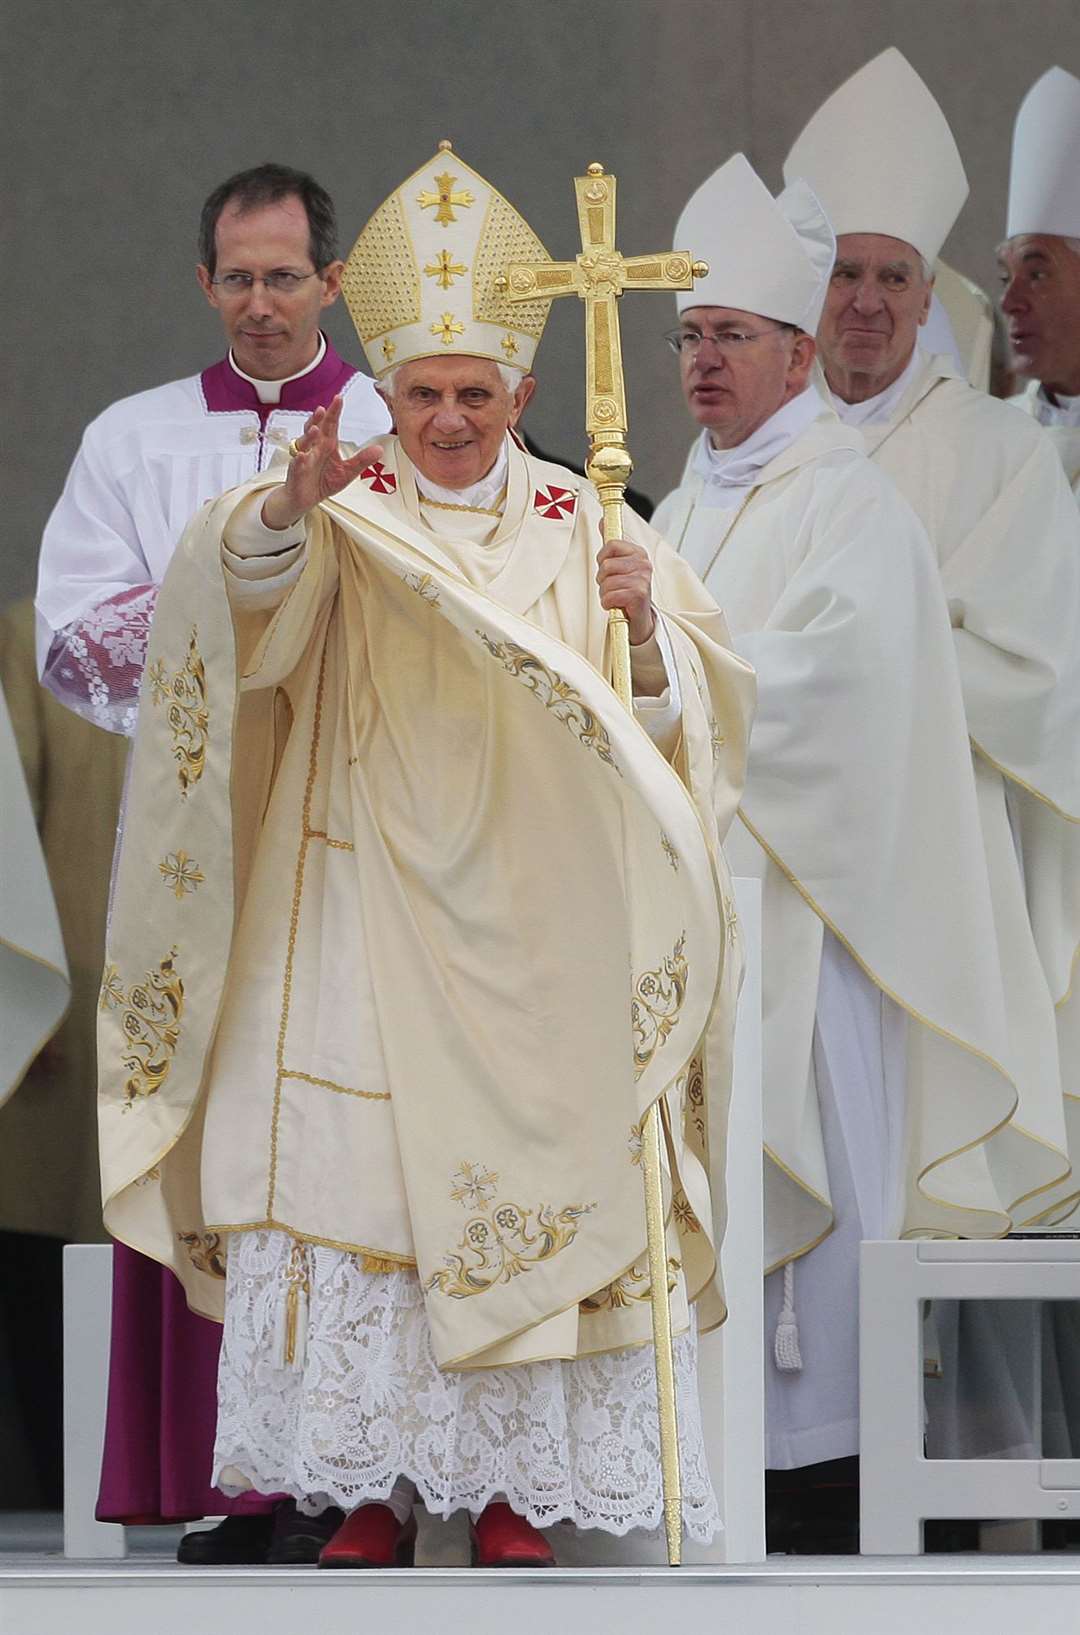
(880, 156)
(765, 255)
(420, 280)
(1044, 181)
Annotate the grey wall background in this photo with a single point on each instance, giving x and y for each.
(119, 117)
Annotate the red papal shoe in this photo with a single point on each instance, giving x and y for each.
(371, 1537)
(502, 1538)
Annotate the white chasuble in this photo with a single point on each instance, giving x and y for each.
(987, 486)
(458, 927)
(860, 817)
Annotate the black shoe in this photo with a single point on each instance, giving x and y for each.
(297, 1539)
(238, 1541)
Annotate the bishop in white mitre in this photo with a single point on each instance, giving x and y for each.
(888, 1092)
(462, 921)
(989, 488)
(1040, 260)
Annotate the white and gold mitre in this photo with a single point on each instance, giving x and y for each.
(420, 280)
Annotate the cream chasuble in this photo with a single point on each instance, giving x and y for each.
(988, 489)
(860, 815)
(480, 923)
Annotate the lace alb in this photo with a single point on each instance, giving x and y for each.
(573, 1441)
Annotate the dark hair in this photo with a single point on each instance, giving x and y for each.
(266, 184)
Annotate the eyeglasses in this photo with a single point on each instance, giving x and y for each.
(728, 341)
(277, 283)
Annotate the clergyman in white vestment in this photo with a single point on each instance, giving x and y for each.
(990, 490)
(1040, 260)
(414, 1112)
(888, 1094)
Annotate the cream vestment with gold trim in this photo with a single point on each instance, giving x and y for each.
(480, 924)
(987, 486)
(860, 814)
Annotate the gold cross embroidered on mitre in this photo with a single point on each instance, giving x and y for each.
(445, 269)
(445, 199)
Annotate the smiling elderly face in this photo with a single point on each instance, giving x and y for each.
(452, 415)
(879, 295)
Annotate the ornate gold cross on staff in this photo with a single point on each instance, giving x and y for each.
(599, 275)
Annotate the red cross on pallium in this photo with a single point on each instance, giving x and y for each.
(555, 502)
(378, 478)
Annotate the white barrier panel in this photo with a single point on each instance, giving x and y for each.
(899, 1487)
(87, 1308)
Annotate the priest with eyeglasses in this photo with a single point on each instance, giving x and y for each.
(886, 1072)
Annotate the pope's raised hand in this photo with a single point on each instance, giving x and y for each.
(624, 574)
(317, 471)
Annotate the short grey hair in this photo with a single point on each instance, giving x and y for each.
(509, 374)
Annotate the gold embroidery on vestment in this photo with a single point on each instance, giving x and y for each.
(181, 874)
(204, 1252)
(424, 586)
(654, 1009)
(498, 1239)
(670, 853)
(556, 695)
(150, 1023)
(683, 1213)
(188, 714)
(632, 1288)
(695, 1099)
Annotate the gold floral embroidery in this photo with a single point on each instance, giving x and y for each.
(204, 1251)
(670, 853)
(555, 694)
(695, 1096)
(424, 586)
(635, 1141)
(150, 1023)
(181, 874)
(632, 1288)
(500, 1241)
(654, 1009)
(188, 714)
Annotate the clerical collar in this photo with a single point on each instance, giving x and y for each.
(873, 411)
(269, 391)
(1058, 410)
(729, 472)
(489, 494)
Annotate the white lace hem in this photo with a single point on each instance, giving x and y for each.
(560, 1441)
